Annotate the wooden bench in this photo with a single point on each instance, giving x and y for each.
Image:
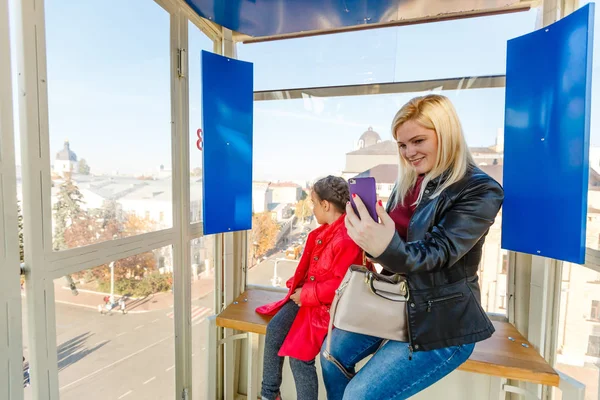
(506, 355)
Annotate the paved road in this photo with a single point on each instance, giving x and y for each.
(131, 356)
(266, 273)
(270, 273)
(122, 356)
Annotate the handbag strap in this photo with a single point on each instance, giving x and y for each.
(327, 352)
(332, 311)
(333, 308)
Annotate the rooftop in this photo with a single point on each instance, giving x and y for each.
(284, 185)
(387, 147)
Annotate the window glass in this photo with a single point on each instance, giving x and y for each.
(109, 107)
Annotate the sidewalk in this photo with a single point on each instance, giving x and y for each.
(158, 301)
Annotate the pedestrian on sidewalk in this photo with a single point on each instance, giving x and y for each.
(26, 374)
(122, 305)
(107, 304)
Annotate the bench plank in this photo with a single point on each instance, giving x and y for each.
(500, 356)
(241, 314)
(496, 356)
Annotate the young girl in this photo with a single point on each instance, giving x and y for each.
(300, 321)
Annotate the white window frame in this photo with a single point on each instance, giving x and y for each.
(42, 264)
(535, 282)
(11, 341)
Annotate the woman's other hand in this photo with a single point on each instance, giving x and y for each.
(295, 297)
(373, 237)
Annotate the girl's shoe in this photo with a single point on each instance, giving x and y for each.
(276, 398)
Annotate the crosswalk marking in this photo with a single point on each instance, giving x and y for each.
(197, 313)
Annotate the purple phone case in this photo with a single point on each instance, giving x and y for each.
(365, 188)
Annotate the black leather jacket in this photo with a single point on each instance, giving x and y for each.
(440, 260)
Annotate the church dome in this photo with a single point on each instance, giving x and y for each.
(369, 138)
(66, 154)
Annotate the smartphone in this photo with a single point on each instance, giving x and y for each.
(365, 188)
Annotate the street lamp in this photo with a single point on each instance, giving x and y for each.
(291, 227)
(255, 255)
(275, 280)
(72, 285)
(598, 365)
(112, 283)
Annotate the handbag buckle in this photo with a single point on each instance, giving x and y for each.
(404, 289)
(403, 286)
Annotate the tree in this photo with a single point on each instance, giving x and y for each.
(264, 232)
(196, 172)
(136, 266)
(145, 178)
(108, 219)
(303, 209)
(104, 225)
(21, 243)
(68, 211)
(82, 231)
(139, 265)
(304, 195)
(135, 225)
(83, 167)
(73, 227)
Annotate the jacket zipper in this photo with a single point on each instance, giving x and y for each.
(410, 342)
(442, 299)
(408, 236)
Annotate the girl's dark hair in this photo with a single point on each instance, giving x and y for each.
(333, 189)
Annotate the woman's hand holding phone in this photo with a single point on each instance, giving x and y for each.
(373, 237)
(365, 188)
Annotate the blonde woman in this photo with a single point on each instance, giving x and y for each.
(432, 232)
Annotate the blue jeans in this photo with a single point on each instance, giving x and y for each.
(389, 374)
(305, 372)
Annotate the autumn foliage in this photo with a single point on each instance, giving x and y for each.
(264, 233)
(78, 227)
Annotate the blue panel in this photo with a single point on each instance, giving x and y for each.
(275, 17)
(227, 101)
(546, 139)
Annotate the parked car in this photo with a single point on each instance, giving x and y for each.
(293, 252)
(26, 376)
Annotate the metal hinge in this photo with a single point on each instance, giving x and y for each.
(184, 394)
(181, 62)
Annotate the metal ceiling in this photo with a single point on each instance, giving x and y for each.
(259, 20)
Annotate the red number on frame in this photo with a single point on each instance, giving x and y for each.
(199, 141)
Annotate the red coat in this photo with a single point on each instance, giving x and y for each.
(328, 253)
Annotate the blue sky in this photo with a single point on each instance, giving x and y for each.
(109, 89)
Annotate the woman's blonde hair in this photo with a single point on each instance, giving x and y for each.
(434, 112)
